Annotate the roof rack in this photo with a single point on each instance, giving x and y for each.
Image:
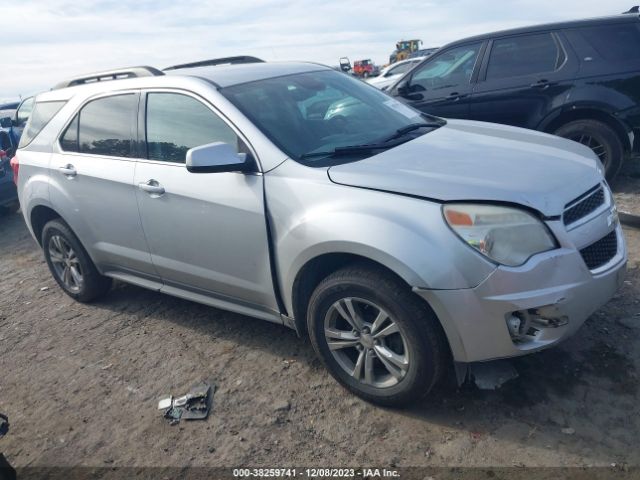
(217, 61)
(122, 73)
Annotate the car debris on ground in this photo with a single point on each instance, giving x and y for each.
(194, 405)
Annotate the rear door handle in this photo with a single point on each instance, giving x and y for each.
(68, 170)
(152, 187)
(542, 84)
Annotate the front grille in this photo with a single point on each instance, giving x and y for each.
(587, 203)
(599, 253)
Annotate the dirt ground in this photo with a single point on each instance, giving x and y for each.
(80, 384)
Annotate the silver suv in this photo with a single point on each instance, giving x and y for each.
(293, 193)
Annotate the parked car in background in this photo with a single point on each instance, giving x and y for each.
(12, 123)
(579, 80)
(390, 73)
(23, 113)
(8, 192)
(396, 240)
(8, 107)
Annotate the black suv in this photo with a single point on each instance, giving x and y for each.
(579, 80)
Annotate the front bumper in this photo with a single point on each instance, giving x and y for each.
(555, 285)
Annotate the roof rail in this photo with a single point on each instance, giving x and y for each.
(122, 73)
(217, 61)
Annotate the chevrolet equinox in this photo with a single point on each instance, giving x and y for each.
(290, 192)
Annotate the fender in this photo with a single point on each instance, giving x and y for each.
(401, 233)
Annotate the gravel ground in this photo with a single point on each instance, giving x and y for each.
(626, 187)
(80, 385)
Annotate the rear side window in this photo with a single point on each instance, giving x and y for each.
(615, 43)
(523, 55)
(42, 114)
(69, 140)
(176, 123)
(103, 127)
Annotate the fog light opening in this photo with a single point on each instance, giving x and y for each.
(526, 325)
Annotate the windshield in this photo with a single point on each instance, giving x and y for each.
(311, 113)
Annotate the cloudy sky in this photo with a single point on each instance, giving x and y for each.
(44, 41)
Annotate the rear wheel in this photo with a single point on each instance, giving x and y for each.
(70, 264)
(375, 337)
(600, 138)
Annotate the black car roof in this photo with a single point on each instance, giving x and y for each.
(623, 18)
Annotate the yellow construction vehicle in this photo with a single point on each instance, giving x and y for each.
(404, 48)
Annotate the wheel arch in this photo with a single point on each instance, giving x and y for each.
(38, 218)
(559, 118)
(321, 266)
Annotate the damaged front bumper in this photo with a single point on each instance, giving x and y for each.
(520, 310)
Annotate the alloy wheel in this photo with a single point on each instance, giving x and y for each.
(366, 342)
(65, 263)
(594, 144)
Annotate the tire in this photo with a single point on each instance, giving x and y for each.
(419, 343)
(601, 138)
(60, 244)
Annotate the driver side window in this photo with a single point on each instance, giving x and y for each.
(448, 69)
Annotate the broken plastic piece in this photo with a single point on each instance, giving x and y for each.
(165, 403)
(195, 405)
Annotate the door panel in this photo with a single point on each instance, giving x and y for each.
(522, 79)
(206, 231)
(441, 85)
(100, 205)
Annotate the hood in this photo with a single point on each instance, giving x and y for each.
(467, 160)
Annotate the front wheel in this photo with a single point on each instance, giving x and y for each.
(70, 264)
(375, 337)
(600, 138)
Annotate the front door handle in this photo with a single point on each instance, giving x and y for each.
(152, 187)
(68, 170)
(455, 96)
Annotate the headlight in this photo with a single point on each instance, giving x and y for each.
(505, 235)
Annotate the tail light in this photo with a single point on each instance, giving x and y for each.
(15, 166)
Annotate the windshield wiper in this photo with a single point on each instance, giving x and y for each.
(381, 145)
(348, 150)
(410, 128)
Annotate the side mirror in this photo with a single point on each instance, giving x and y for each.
(402, 88)
(6, 122)
(406, 90)
(216, 157)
